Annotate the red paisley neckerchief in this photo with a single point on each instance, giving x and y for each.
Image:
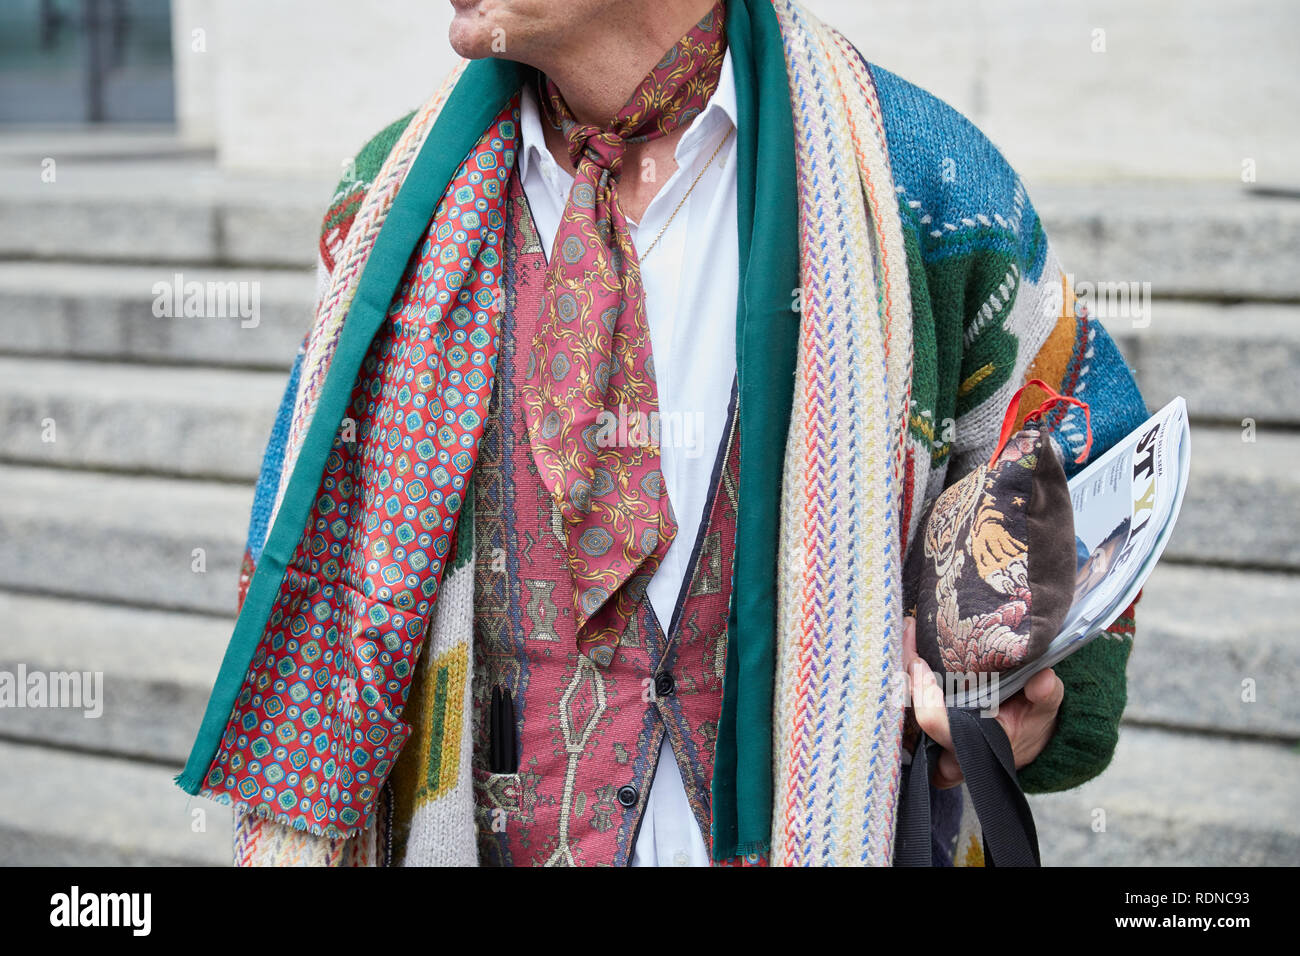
(589, 394)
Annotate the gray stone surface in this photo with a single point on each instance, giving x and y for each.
(1218, 240)
(1230, 362)
(106, 312)
(1186, 239)
(1210, 639)
(59, 808)
(151, 211)
(156, 667)
(108, 228)
(182, 421)
(1243, 500)
(1177, 800)
(123, 538)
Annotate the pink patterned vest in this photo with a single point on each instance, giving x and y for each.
(587, 737)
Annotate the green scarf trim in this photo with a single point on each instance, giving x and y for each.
(767, 335)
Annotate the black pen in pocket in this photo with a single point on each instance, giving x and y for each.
(494, 732)
(504, 757)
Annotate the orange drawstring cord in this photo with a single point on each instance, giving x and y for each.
(1009, 420)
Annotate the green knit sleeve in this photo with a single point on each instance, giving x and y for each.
(358, 174)
(1087, 727)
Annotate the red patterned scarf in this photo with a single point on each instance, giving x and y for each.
(591, 362)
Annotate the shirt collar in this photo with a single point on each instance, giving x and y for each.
(720, 107)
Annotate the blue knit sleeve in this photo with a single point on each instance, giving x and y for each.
(268, 479)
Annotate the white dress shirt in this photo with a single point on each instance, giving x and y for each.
(690, 280)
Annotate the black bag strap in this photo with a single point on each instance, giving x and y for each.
(912, 845)
(982, 748)
(984, 753)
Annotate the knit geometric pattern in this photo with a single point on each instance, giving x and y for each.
(993, 309)
(432, 783)
(990, 308)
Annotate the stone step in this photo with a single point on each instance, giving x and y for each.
(169, 210)
(1214, 240)
(1171, 799)
(1186, 239)
(1217, 650)
(1194, 650)
(1242, 505)
(148, 541)
(155, 670)
(1230, 362)
(59, 808)
(28, 146)
(86, 310)
(198, 422)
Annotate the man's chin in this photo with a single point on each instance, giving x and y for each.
(470, 40)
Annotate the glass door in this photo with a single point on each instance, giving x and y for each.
(86, 61)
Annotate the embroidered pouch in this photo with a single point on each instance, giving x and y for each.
(991, 572)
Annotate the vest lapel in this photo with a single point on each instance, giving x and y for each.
(524, 644)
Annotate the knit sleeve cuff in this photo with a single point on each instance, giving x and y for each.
(1087, 727)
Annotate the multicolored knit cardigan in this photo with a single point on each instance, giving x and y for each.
(896, 289)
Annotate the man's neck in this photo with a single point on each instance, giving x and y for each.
(601, 69)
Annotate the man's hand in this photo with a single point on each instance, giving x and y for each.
(1028, 717)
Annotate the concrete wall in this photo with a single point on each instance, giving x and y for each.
(196, 69)
(1070, 89)
(1099, 89)
(298, 85)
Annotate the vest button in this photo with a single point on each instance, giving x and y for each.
(664, 684)
(627, 796)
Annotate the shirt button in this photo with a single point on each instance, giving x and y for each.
(681, 859)
(627, 796)
(664, 684)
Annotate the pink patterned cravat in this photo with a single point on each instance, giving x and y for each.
(590, 398)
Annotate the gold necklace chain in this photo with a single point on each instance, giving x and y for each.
(686, 195)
